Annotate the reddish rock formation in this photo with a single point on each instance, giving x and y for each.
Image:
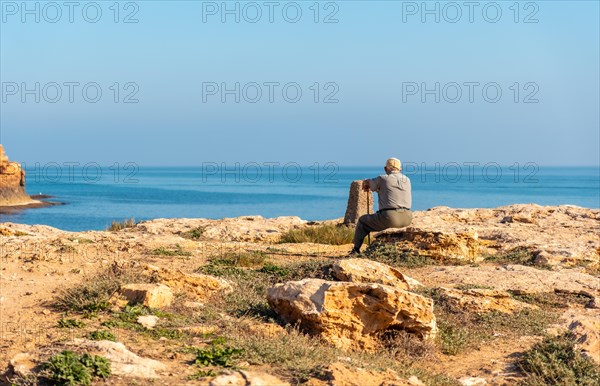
(12, 182)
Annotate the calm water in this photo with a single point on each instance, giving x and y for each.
(92, 200)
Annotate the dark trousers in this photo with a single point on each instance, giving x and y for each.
(380, 221)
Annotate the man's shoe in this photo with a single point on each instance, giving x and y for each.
(353, 253)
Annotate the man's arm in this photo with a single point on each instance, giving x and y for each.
(372, 184)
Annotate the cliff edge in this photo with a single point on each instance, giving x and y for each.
(12, 183)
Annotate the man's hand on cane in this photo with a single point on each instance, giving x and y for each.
(365, 185)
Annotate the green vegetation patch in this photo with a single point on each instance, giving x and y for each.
(556, 361)
(194, 234)
(216, 356)
(174, 250)
(69, 368)
(127, 319)
(71, 323)
(102, 335)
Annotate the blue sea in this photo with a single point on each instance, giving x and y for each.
(94, 196)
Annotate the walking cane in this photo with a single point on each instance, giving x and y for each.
(369, 212)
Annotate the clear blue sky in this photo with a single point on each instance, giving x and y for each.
(369, 54)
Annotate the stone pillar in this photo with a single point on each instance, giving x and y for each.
(357, 203)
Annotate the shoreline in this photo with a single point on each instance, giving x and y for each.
(36, 201)
(470, 231)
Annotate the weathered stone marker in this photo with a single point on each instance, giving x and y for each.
(357, 203)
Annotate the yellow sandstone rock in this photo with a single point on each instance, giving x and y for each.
(199, 285)
(350, 315)
(247, 378)
(341, 374)
(459, 245)
(369, 271)
(150, 295)
(12, 182)
(483, 300)
(587, 330)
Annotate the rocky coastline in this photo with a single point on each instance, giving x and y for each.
(13, 196)
(450, 300)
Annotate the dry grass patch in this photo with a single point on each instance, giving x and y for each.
(519, 255)
(116, 226)
(195, 233)
(92, 295)
(461, 331)
(293, 354)
(249, 296)
(240, 259)
(297, 356)
(550, 300)
(320, 234)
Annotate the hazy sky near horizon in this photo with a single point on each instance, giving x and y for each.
(350, 82)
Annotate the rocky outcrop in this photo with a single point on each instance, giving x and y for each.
(340, 374)
(369, 271)
(12, 182)
(246, 228)
(21, 365)
(247, 378)
(516, 278)
(472, 381)
(150, 295)
(436, 244)
(359, 203)
(482, 300)
(197, 285)
(147, 321)
(565, 234)
(586, 329)
(351, 315)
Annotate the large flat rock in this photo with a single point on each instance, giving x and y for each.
(350, 315)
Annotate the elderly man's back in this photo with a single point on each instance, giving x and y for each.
(395, 200)
(393, 190)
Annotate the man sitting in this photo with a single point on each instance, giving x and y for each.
(394, 193)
